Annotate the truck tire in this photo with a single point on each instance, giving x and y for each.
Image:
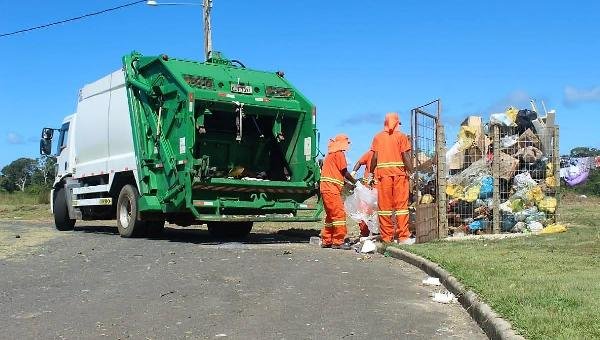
(62, 221)
(230, 230)
(128, 220)
(154, 228)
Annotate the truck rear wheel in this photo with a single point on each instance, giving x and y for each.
(128, 220)
(62, 221)
(230, 230)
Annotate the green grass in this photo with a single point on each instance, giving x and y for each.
(23, 206)
(547, 286)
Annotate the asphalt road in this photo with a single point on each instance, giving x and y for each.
(92, 284)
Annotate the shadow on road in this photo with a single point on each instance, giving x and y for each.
(201, 236)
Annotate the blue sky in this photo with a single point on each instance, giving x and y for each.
(355, 60)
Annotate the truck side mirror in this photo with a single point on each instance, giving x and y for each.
(46, 141)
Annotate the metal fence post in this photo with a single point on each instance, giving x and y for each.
(441, 178)
(496, 175)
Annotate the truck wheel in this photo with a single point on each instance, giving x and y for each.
(154, 228)
(62, 221)
(128, 220)
(230, 230)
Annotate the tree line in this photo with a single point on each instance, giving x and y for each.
(28, 174)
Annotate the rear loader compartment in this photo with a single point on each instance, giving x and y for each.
(215, 142)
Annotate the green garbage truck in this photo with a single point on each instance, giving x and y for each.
(165, 139)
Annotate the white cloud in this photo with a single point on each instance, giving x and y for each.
(576, 95)
(14, 138)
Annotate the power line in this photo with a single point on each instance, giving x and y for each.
(71, 19)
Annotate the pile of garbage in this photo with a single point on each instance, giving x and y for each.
(526, 177)
(576, 170)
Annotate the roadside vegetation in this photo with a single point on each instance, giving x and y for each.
(547, 286)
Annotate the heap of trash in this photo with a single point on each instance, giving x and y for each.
(526, 176)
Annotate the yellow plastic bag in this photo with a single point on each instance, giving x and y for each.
(548, 204)
(511, 113)
(454, 190)
(466, 136)
(554, 228)
(535, 194)
(472, 193)
(549, 170)
(551, 181)
(426, 199)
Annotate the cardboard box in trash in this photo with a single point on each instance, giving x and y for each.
(473, 147)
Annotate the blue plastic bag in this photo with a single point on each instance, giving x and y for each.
(487, 187)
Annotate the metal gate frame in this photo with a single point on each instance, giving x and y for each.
(429, 221)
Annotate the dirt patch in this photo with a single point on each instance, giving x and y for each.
(23, 239)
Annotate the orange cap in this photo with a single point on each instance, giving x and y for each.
(341, 142)
(392, 121)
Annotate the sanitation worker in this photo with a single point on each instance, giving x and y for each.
(392, 163)
(365, 160)
(333, 173)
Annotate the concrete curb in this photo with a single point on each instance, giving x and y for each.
(491, 323)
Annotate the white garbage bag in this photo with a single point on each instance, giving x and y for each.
(362, 206)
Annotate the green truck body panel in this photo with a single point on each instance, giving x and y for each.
(220, 142)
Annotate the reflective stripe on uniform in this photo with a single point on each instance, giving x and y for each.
(390, 165)
(338, 223)
(384, 213)
(402, 212)
(332, 180)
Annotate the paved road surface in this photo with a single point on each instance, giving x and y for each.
(92, 284)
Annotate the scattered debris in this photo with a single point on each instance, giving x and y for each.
(17, 236)
(315, 240)
(445, 297)
(368, 246)
(221, 335)
(167, 293)
(432, 281)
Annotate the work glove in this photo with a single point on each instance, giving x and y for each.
(371, 180)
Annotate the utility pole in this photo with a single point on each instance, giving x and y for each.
(207, 6)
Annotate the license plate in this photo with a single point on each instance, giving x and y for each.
(245, 89)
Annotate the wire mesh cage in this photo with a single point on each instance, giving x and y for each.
(503, 175)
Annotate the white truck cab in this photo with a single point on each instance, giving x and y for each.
(94, 155)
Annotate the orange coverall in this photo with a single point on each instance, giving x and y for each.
(365, 160)
(332, 181)
(393, 184)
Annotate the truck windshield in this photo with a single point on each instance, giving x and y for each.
(63, 138)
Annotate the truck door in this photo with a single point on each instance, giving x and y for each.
(63, 150)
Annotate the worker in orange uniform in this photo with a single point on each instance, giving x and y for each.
(333, 173)
(392, 163)
(365, 160)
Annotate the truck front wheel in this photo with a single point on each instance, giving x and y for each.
(62, 221)
(128, 220)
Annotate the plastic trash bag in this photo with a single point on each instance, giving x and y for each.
(466, 136)
(539, 216)
(487, 187)
(508, 222)
(361, 205)
(508, 141)
(524, 180)
(512, 113)
(551, 181)
(516, 205)
(454, 191)
(554, 228)
(548, 204)
(479, 225)
(519, 227)
(506, 207)
(472, 193)
(535, 194)
(535, 226)
(427, 199)
(525, 120)
(521, 216)
(501, 119)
